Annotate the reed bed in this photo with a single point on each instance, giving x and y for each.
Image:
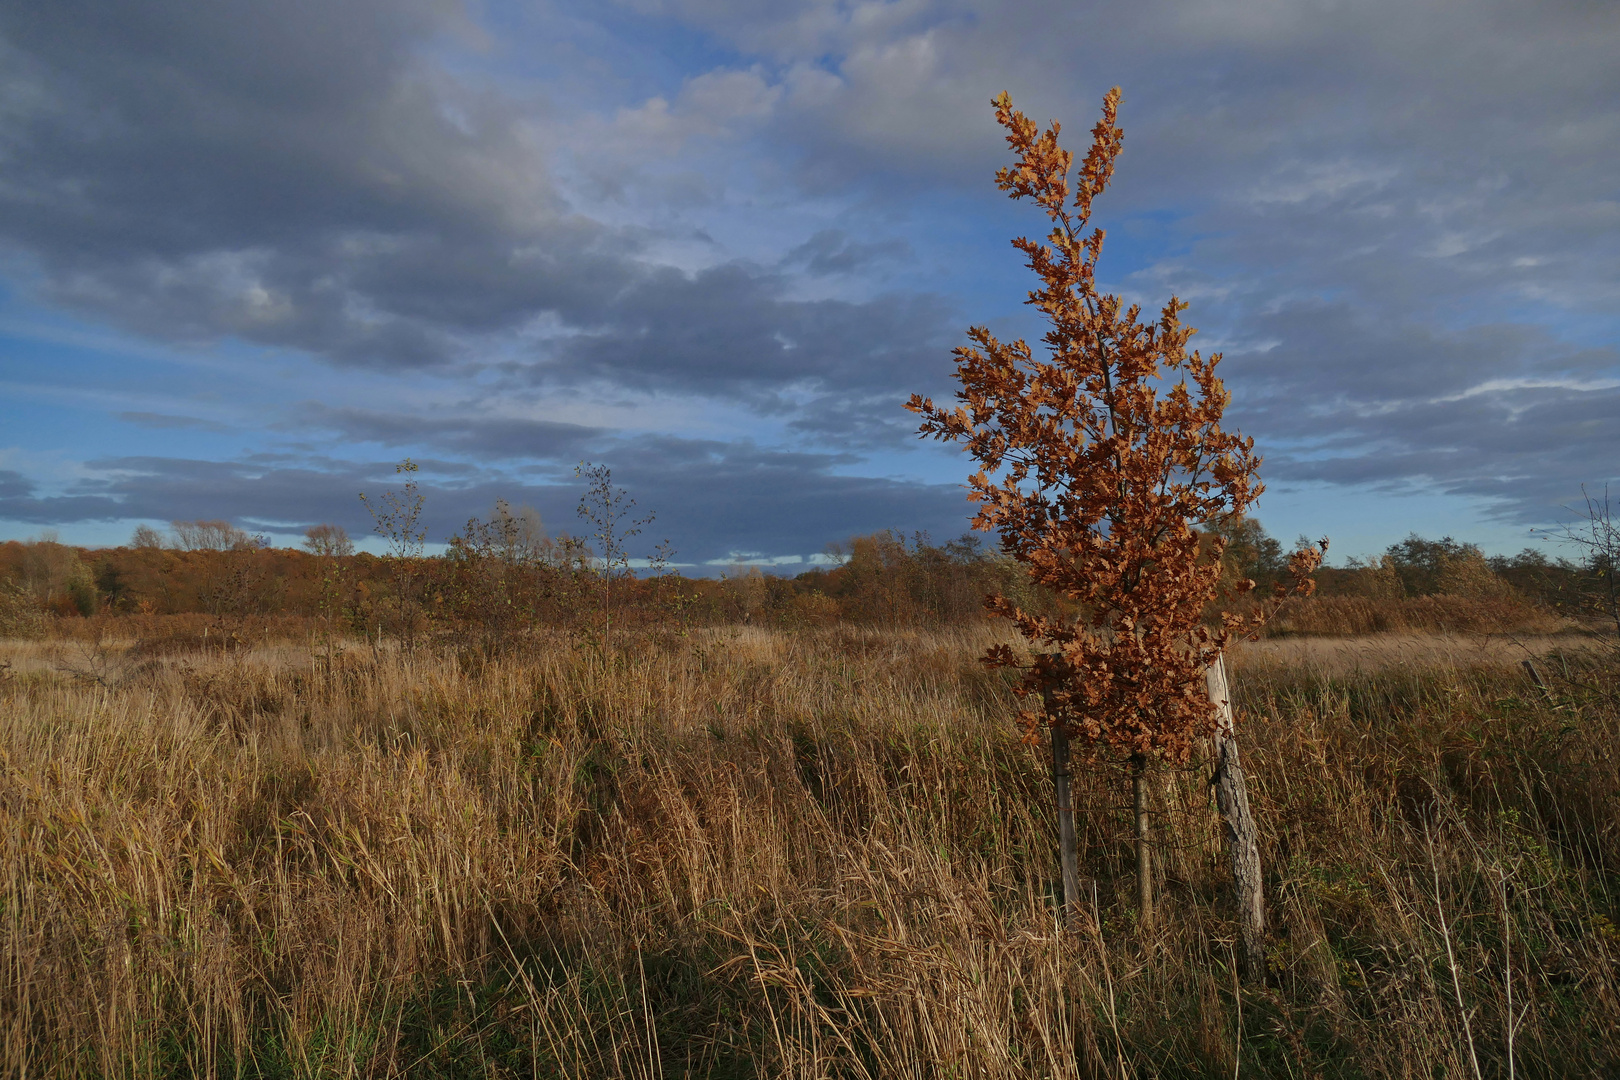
(1499, 612)
(746, 853)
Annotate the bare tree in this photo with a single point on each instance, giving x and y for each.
(212, 536)
(328, 540)
(608, 511)
(146, 537)
(1597, 536)
(399, 521)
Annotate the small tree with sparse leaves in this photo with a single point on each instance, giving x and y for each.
(399, 520)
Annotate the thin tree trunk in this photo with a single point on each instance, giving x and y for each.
(1065, 810)
(1144, 853)
(1232, 797)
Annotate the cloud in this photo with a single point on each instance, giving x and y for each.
(1422, 150)
(1411, 204)
(1507, 413)
(14, 485)
(304, 178)
(164, 421)
(318, 184)
(832, 251)
(710, 498)
(479, 435)
(730, 332)
(711, 104)
(1398, 218)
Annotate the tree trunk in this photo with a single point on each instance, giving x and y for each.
(1232, 797)
(1065, 810)
(1144, 853)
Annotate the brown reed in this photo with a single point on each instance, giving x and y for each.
(755, 853)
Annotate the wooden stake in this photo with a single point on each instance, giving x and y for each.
(1144, 853)
(1067, 852)
(1232, 797)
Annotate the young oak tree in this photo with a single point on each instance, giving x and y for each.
(1097, 462)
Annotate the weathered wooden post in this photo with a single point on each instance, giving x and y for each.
(1068, 856)
(1232, 798)
(1144, 850)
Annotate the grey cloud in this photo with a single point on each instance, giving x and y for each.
(710, 499)
(303, 177)
(1244, 83)
(1406, 200)
(271, 495)
(166, 127)
(774, 503)
(295, 174)
(1401, 197)
(14, 485)
(871, 422)
(1507, 413)
(60, 509)
(728, 331)
(832, 251)
(164, 421)
(710, 496)
(482, 436)
(1414, 151)
(1333, 350)
(794, 29)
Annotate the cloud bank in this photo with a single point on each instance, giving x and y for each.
(716, 243)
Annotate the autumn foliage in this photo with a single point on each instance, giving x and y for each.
(1097, 463)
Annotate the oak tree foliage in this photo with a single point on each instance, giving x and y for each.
(1098, 461)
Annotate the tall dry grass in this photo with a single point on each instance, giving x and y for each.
(749, 853)
(1502, 612)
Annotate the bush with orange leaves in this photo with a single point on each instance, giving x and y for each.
(1097, 463)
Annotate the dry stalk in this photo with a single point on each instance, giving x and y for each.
(1451, 958)
(556, 858)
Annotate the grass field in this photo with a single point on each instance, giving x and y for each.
(750, 853)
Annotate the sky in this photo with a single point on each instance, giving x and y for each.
(254, 254)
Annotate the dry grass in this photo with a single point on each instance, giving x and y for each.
(1373, 653)
(750, 853)
(1342, 616)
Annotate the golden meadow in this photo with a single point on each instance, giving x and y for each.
(812, 851)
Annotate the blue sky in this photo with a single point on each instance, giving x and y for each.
(253, 254)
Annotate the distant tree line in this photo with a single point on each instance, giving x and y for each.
(501, 576)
